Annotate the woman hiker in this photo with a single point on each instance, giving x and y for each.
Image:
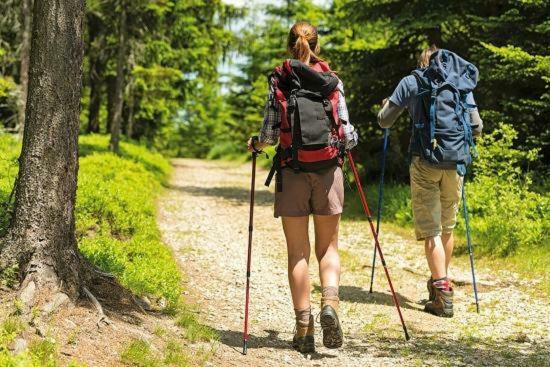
(306, 114)
(436, 183)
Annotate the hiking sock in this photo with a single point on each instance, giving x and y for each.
(442, 284)
(302, 316)
(329, 292)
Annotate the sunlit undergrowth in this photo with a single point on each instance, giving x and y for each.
(116, 222)
(40, 352)
(509, 219)
(115, 213)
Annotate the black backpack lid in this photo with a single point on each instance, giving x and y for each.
(312, 80)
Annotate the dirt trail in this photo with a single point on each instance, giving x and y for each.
(204, 218)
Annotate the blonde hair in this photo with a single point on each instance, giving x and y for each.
(424, 58)
(303, 42)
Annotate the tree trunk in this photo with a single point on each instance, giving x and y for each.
(119, 86)
(96, 74)
(26, 28)
(130, 121)
(95, 96)
(110, 82)
(41, 240)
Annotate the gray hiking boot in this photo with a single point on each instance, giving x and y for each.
(333, 336)
(304, 341)
(442, 304)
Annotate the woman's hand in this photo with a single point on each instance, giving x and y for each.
(254, 145)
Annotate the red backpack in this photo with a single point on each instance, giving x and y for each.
(311, 133)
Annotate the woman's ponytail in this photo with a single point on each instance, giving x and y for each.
(303, 42)
(301, 49)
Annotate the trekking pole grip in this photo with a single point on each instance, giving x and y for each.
(255, 139)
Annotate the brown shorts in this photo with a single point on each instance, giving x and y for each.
(435, 198)
(305, 193)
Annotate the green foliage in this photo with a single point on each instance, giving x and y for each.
(115, 214)
(375, 43)
(139, 354)
(9, 153)
(173, 50)
(194, 331)
(507, 216)
(40, 353)
(7, 87)
(501, 200)
(226, 150)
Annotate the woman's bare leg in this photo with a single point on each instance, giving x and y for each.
(326, 249)
(297, 241)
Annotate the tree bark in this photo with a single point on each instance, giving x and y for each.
(119, 86)
(130, 121)
(97, 66)
(26, 27)
(110, 82)
(41, 240)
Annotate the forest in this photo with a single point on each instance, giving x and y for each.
(164, 80)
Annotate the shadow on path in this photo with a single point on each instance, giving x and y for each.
(356, 294)
(470, 351)
(234, 340)
(234, 195)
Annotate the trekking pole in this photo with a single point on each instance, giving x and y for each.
(380, 194)
(376, 243)
(469, 241)
(249, 257)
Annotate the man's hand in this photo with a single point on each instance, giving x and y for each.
(384, 101)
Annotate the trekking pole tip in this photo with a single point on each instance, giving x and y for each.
(407, 336)
(245, 347)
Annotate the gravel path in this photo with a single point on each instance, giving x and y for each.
(204, 218)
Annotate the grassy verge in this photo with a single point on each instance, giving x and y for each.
(39, 353)
(116, 227)
(230, 152)
(529, 261)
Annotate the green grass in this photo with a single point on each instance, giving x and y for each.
(194, 330)
(528, 261)
(117, 231)
(229, 151)
(138, 353)
(40, 352)
(116, 217)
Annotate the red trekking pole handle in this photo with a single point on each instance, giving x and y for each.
(249, 254)
(376, 243)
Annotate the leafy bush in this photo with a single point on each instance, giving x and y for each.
(226, 150)
(115, 213)
(506, 214)
(9, 152)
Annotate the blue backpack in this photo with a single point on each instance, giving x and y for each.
(444, 138)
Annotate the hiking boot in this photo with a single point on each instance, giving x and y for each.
(303, 340)
(442, 304)
(332, 331)
(431, 292)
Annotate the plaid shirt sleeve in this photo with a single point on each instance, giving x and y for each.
(269, 133)
(350, 135)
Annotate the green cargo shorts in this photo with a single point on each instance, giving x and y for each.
(435, 196)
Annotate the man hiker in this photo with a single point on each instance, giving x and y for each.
(440, 102)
